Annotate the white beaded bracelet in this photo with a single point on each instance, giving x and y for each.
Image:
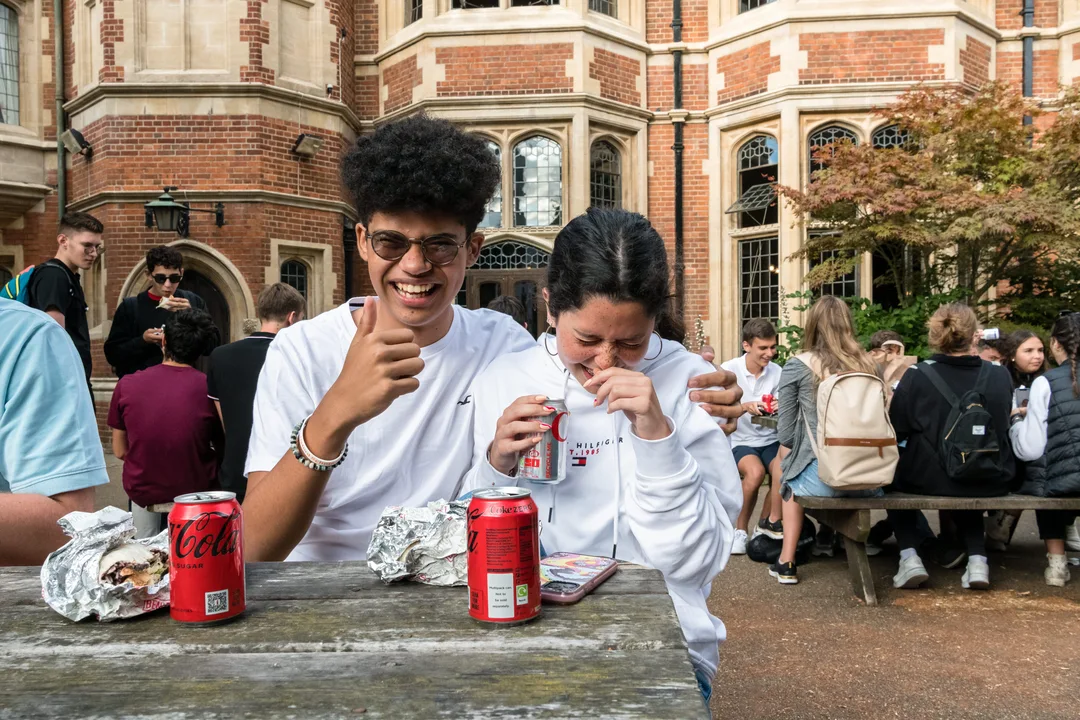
(307, 458)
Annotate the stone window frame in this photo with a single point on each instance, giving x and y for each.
(563, 204)
(32, 115)
(319, 259)
(184, 73)
(620, 159)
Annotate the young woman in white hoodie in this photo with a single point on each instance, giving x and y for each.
(650, 476)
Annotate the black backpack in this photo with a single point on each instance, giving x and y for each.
(968, 448)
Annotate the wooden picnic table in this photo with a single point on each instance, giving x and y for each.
(329, 640)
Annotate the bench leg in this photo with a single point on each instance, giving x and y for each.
(859, 566)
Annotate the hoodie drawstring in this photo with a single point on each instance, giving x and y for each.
(618, 484)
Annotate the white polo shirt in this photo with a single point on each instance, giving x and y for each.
(748, 434)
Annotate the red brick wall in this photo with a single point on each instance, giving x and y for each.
(658, 21)
(505, 70)
(37, 236)
(219, 152)
(618, 76)
(1010, 68)
(367, 97)
(695, 91)
(1076, 51)
(872, 56)
(256, 32)
(112, 32)
(367, 27)
(746, 72)
(400, 79)
(658, 85)
(975, 62)
(69, 47)
(1009, 18)
(695, 19)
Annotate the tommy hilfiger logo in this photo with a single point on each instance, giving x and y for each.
(578, 461)
(466, 401)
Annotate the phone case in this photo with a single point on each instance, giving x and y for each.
(565, 578)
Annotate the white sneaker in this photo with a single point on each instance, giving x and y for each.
(1057, 574)
(912, 573)
(976, 576)
(1072, 537)
(738, 545)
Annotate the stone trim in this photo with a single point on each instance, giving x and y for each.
(567, 100)
(319, 259)
(210, 196)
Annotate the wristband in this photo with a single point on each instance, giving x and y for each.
(308, 459)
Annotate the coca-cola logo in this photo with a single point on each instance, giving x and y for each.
(559, 426)
(192, 539)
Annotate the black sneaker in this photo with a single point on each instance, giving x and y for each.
(825, 543)
(785, 573)
(775, 530)
(949, 555)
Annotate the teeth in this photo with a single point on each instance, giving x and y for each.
(414, 289)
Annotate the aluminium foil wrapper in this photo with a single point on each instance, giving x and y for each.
(70, 579)
(426, 544)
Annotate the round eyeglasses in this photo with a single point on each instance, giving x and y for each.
(437, 249)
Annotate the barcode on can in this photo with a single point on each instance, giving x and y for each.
(217, 602)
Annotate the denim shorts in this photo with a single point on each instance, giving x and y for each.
(807, 484)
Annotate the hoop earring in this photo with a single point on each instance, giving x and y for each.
(552, 354)
(661, 347)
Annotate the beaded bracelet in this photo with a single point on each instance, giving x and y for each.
(308, 459)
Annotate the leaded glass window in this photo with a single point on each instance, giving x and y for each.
(607, 7)
(537, 183)
(845, 286)
(493, 209)
(510, 255)
(747, 5)
(295, 273)
(758, 160)
(524, 3)
(475, 4)
(9, 65)
(759, 278)
(414, 10)
(890, 136)
(605, 176)
(824, 137)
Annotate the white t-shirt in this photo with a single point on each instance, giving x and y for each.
(746, 433)
(416, 451)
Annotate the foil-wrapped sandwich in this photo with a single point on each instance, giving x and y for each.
(103, 571)
(426, 544)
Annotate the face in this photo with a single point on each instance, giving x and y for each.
(165, 280)
(81, 248)
(1029, 356)
(602, 334)
(989, 354)
(760, 351)
(412, 290)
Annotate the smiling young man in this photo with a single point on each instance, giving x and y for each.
(134, 341)
(358, 409)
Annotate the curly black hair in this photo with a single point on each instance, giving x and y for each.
(165, 257)
(424, 165)
(189, 334)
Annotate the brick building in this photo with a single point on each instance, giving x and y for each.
(578, 99)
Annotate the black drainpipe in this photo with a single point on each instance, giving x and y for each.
(58, 53)
(1028, 14)
(680, 262)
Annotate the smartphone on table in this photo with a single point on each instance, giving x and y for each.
(567, 577)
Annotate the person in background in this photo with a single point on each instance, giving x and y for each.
(920, 413)
(662, 488)
(510, 305)
(134, 342)
(233, 376)
(1048, 427)
(50, 453)
(992, 351)
(830, 336)
(55, 286)
(755, 448)
(165, 428)
(1025, 359)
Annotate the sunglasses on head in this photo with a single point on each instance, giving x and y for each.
(162, 279)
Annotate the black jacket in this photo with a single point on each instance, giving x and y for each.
(1061, 478)
(919, 413)
(125, 349)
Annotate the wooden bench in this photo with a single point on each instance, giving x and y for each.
(850, 517)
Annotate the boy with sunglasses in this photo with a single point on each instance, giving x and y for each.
(134, 341)
(368, 405)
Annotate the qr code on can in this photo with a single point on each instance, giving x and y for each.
(217, 602)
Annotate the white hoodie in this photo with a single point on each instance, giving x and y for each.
(677, 497)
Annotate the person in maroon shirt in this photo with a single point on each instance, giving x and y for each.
(165, 428)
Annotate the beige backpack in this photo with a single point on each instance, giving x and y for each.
(855, 444)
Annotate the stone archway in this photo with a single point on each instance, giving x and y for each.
(213, 268)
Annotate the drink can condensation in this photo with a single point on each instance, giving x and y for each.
(546, 461)
(206, 558)
(504, 556)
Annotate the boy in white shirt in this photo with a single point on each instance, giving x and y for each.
(756, 448)
(367, 406)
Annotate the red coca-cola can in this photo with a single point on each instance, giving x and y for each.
(769, 401)
(206, 558)
(504, 556)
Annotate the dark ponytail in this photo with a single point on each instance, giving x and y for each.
(189, 334)
(1067, 333)
(615, 254)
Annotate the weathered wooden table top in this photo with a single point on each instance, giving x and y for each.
(323, 640)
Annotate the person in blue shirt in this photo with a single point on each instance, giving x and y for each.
(50, 453)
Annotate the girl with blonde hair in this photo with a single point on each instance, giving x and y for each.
(830, 335)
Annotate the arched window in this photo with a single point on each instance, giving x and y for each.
(510, 255)
(9, 66)
(493, 210)
(537, 182)
(824, 137)
(758, 162)
(295, 273)
(605, 176)
(890, 136)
